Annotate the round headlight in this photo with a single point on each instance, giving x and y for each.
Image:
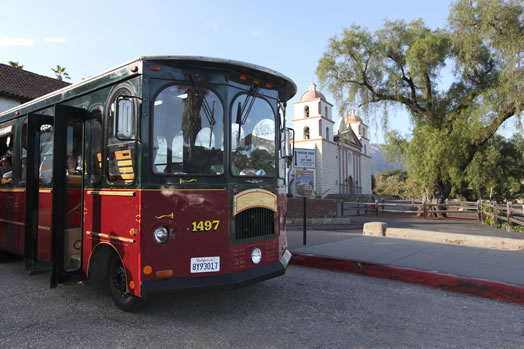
(161, 235)
(256, 256)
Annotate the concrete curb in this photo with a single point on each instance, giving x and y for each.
(328, 227)
(483, 241)
(481, 288)
(319, 221)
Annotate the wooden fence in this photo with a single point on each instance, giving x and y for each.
(510, 213)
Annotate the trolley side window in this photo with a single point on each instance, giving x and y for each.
(121, 167)
(23, 152)
(74, 165)
(46, 154)
(6, 153)
(95, 146)
(188, 131)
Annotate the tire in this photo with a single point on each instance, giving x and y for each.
(116, 276)
(4, 256)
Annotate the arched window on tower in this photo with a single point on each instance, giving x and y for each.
(326, 112)
(306, 111)
(306, 132)
(327, 133)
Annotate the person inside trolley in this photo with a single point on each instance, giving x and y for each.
(7, 163)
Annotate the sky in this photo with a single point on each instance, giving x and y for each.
(89, 37)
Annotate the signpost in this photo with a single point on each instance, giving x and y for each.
(304, 164)
(304, 158)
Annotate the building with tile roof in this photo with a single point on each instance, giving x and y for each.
(342, 161)
(18, 86)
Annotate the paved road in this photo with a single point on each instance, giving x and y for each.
(306, 308)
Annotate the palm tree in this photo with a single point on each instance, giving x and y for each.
(60, 73)
(15, 64)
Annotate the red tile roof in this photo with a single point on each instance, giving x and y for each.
(312, 93)
(352, 117)
(24, 85)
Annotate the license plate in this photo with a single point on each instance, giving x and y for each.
(205, 264)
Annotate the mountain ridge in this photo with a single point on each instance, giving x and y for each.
(379, 163)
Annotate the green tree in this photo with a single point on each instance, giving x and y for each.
(499, 159)
(402, 64)
(15, 64)
(60, 73)
(396, 183)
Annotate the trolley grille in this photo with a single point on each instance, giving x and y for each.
(253, 223)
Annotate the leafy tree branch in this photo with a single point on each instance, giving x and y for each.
(402, 64)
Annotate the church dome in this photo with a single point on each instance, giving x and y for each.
(352, 118)
(312, 93)
(347, 121)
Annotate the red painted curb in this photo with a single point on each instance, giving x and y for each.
(482, 288)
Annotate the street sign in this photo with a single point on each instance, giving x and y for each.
(305, 182)
(304, 158)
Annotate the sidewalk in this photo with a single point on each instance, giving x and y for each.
(484, 272)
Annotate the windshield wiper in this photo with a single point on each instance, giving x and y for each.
(210, 113)
(248, 103)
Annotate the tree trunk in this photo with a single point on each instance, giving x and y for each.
(436, 196)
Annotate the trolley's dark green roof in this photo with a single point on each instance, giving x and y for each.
(287, 92)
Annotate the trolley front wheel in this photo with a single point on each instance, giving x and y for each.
(117, 285)
(4, 256)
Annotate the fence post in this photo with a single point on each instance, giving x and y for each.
(412, 205)
(382, 201)
(509, 215)
(495, 213)
(376, 208)
(358, 211)
(342, 208)
(424, 209)
(479, 213)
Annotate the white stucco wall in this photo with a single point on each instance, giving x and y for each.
(323, 106)
(329, 180)
(366, 175)
(299, 125)
(299, 109)
(314, 109)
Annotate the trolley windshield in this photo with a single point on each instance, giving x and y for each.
(188, 131)
(253, 137)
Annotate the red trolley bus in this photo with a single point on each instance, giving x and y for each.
(163, 173)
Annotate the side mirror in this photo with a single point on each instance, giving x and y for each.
(291, 145)
(125, 119)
